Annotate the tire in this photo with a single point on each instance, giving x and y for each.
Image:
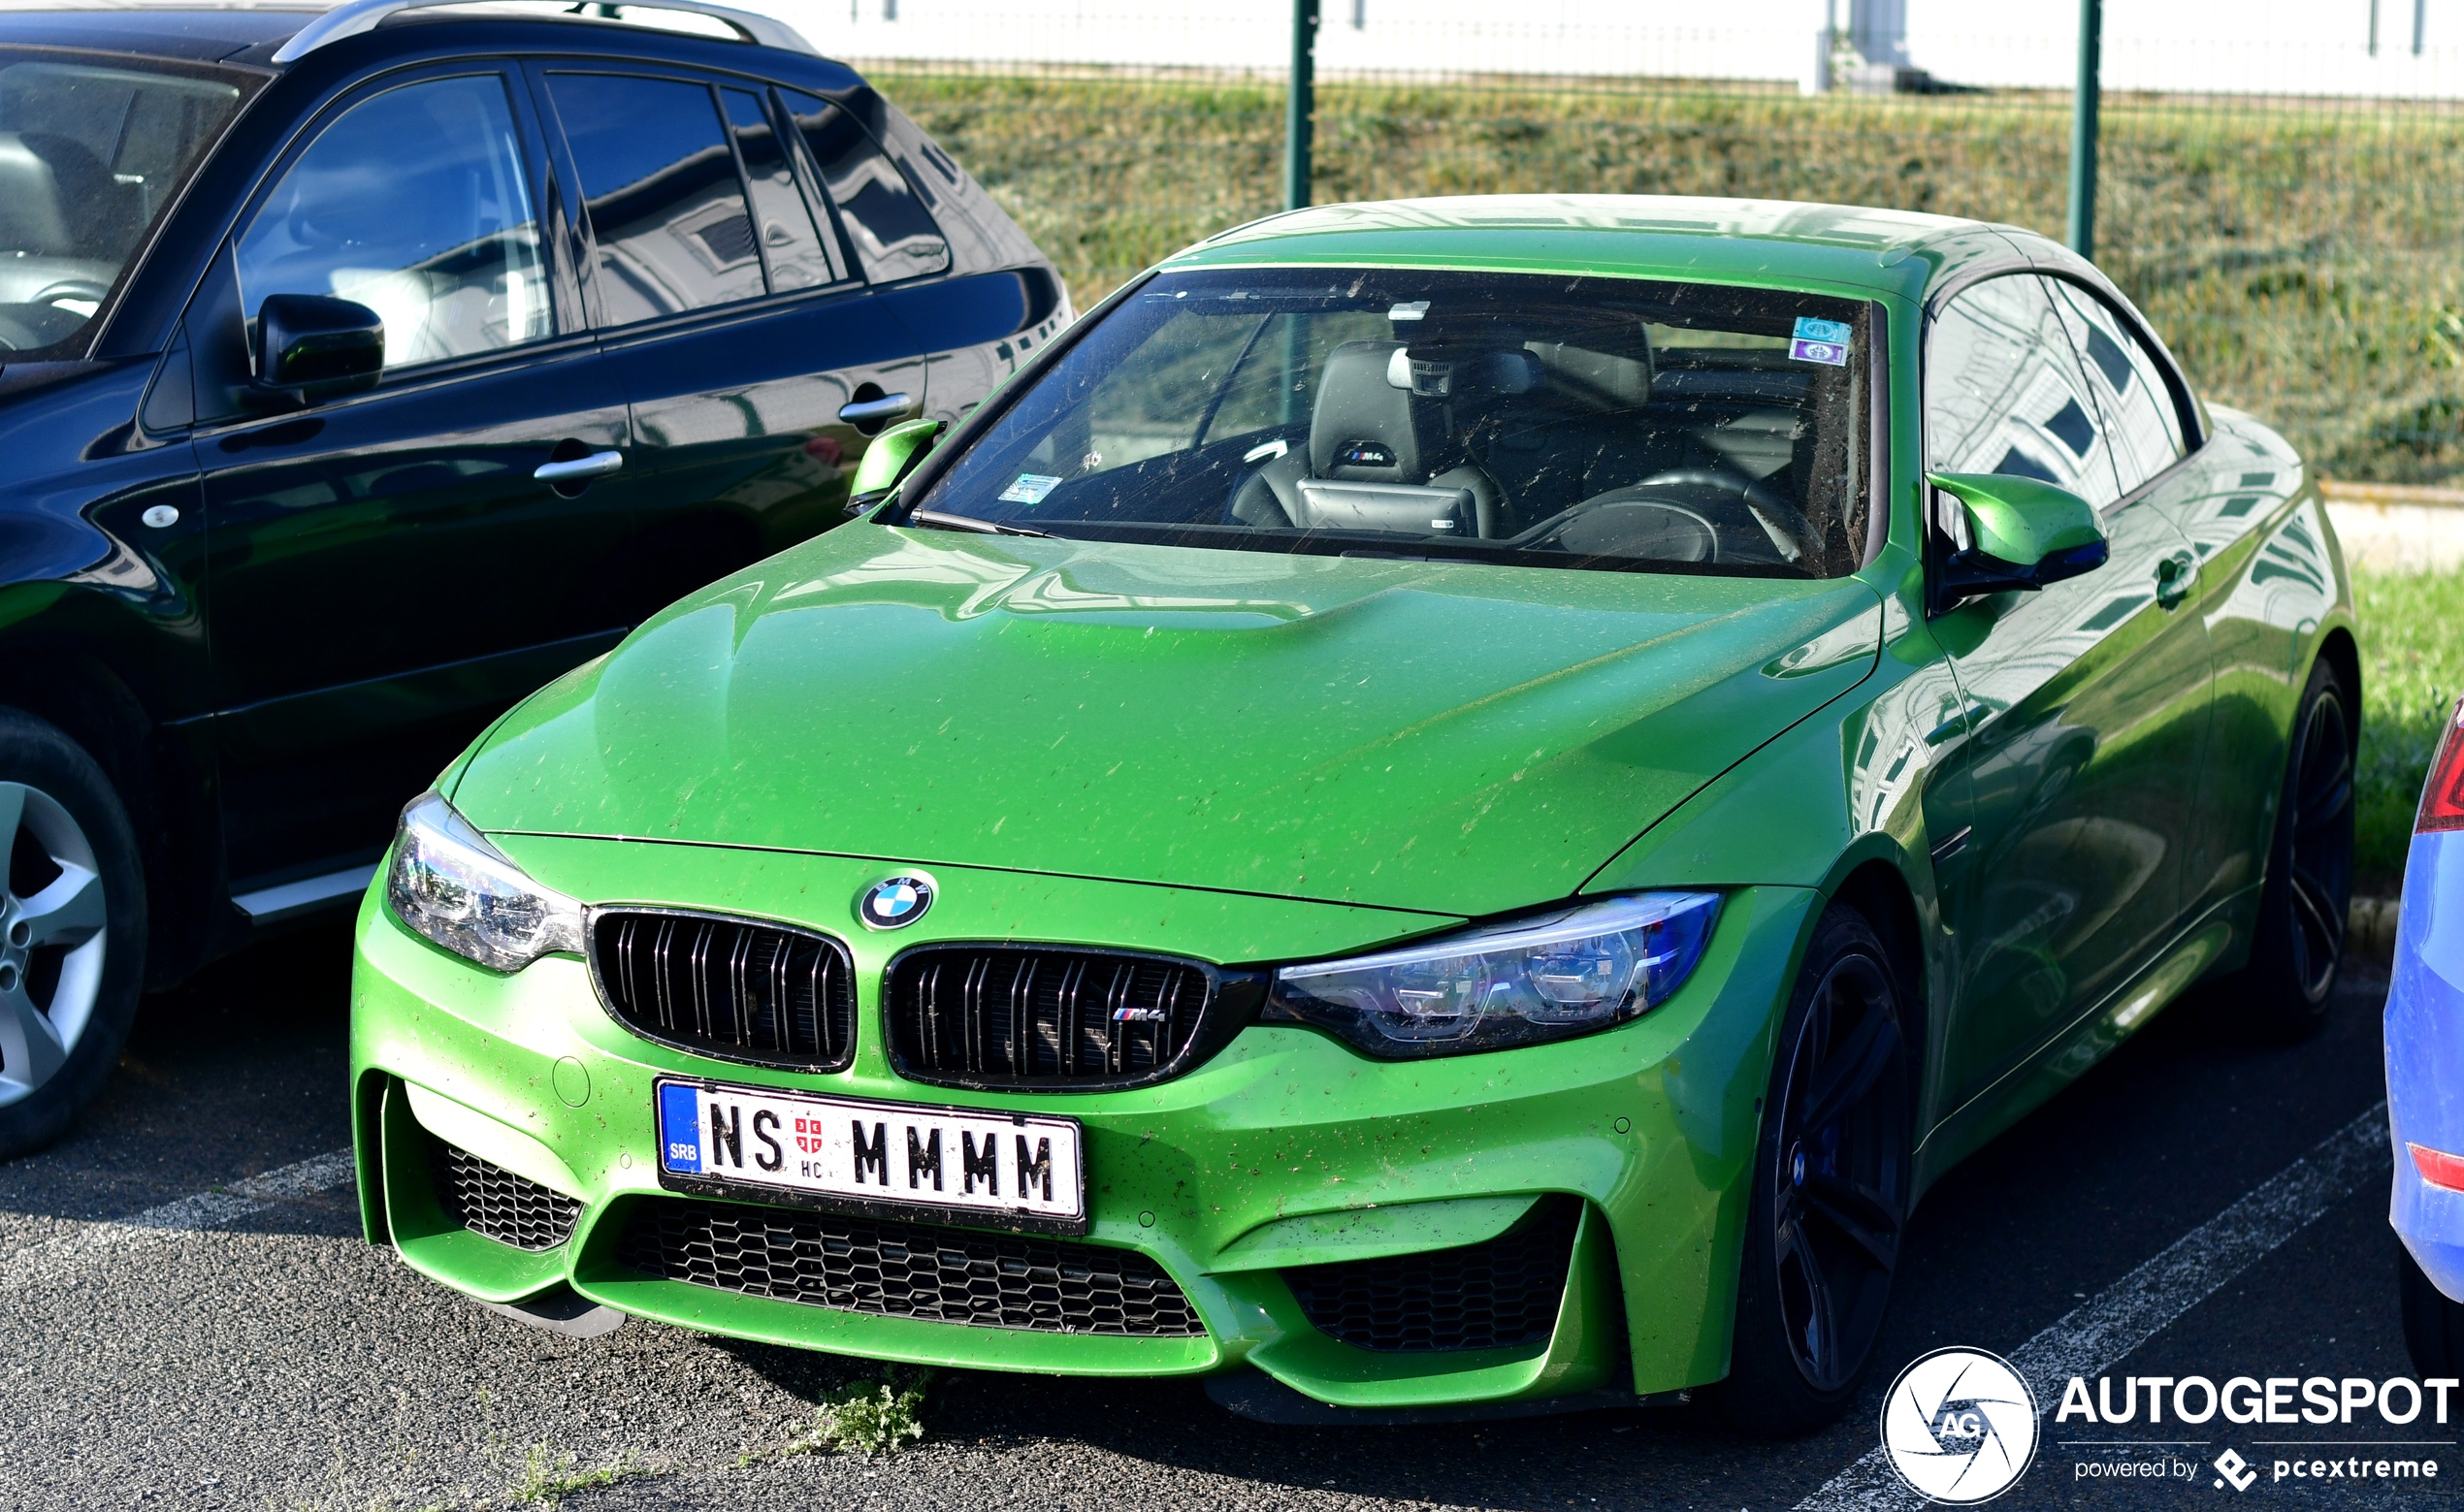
(2433, 1326)
(2298, 946)
(1829, 1199)
(72, 931)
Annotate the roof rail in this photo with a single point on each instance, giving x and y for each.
(354, 16)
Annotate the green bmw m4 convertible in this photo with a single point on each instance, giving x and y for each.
(1441, 808)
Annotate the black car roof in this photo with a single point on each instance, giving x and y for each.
(210, 34)
(199, 35)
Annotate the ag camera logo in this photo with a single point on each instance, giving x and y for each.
(1960, 1427)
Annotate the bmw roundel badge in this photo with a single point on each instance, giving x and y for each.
(895, 902)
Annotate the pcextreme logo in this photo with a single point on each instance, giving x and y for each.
(1960, 1425)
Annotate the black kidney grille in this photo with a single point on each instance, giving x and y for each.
(989, 1016)
(494, 1203)
(733, 988)
(1496, 1295)
(907, 1269)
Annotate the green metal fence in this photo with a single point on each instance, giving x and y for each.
(2299, 253)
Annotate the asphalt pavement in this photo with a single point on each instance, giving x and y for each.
(178, 1329)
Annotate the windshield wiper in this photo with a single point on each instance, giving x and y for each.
(958, 522)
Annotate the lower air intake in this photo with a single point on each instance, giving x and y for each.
(907, 1269)
(495, 1204)
(1499, 1295)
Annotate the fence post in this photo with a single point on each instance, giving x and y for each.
(2082, 130)
(1300, 110)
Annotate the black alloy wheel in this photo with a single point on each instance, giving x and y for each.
(2308, 889)
(1831, 1194)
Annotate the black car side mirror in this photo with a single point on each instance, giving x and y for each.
(317, 347)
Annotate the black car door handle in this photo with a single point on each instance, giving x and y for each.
(598, 464)
(887, 408)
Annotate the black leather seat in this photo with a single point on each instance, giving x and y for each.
(1370, 429)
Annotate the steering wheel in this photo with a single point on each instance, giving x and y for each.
(70, 289)
(1791, 533)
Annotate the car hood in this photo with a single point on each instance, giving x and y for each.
(1455, 738)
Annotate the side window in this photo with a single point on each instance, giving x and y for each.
(894, 235)
(2126, 381)
(800, 256)
(660, 184)
(415, 203)
(2002, 393)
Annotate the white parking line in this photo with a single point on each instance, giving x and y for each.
(55, 1258)
(2094, 1336)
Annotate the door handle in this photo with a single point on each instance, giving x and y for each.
(889, 406)
(581, 470)
(2175, 576)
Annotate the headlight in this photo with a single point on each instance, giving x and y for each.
(1537, 979)
(448, 884)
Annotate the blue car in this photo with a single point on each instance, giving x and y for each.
(2425, 1068)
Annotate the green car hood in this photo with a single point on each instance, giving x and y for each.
(1459, 739)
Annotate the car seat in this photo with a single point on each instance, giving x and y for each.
(1384, 452)
(57, 199)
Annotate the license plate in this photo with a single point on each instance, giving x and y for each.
(853, 1155)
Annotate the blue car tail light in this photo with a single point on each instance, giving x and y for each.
(2438, 1167)
(2442, 796)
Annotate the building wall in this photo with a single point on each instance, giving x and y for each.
(2265, 47)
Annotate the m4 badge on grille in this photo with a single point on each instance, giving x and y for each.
(895, 902)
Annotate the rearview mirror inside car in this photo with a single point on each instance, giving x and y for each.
(891, 456)
(317, 347)
(2021, 532)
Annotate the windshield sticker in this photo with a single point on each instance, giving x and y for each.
(1417, 310)
(1823, 342)
(1029, 488)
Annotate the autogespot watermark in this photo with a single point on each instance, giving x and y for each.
(1960, 1426)
(2348, 1414)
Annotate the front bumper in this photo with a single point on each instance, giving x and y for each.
(1285, 1149)
(2425, 1038)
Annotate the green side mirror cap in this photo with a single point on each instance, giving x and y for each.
(891, 456)
(2023, 533)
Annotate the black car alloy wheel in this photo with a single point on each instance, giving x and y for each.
(1835, 1200)
(1831, 1194)
(2299, 939)
(2319, 862)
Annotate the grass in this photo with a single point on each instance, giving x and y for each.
(2298, 256)
(549, 1477)
(868, 1418)
(2412, 672)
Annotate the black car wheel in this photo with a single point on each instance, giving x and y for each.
(2300, 937)
(2433, 1326)
(1831, 1189)
(72, 931)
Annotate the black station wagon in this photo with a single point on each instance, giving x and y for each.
(360, 371)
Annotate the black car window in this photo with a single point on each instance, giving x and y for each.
(894, 235)
(665, 206)
(2003, 394)
(416, 203)
(2124, 376)
(799, 255)
(90, 152)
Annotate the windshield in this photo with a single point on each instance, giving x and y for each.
(89, 155)
(1531, 419)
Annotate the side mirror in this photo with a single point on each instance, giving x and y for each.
(891, 456)
(318, 348)
(2022, 534)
